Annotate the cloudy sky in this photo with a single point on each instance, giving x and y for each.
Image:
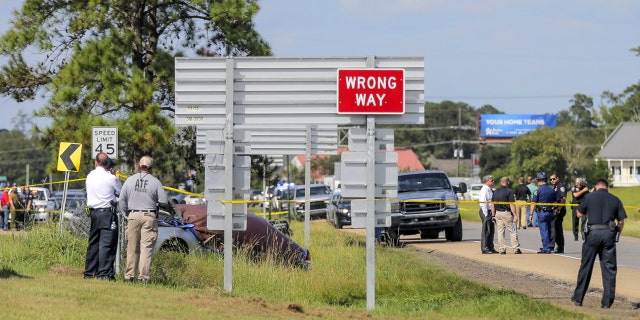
(521, 56)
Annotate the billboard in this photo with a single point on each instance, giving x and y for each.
(513, 125)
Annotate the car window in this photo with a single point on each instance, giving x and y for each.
(422, 182)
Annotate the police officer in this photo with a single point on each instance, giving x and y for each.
(601, 210)
(557, 233)
(102, 191)
(542, 204)
(141, 194)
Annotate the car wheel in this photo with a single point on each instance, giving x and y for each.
(454, 233)
(174, 245)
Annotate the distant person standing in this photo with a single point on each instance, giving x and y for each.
(102, 192)
(578, 192)
(543, 204)
(557, 233)
(601, 210)
(15, 205)
(523, 196)
(5, 209)
(532, 217)
(486, 216)
(141, 194)
(504, 210)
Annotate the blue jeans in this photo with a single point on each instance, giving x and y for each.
(5, 211)
(545, 223)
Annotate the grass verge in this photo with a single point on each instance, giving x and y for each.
(42, 270)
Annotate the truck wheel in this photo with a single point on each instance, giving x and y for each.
(454, 233)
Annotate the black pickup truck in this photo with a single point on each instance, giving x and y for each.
(426, 204)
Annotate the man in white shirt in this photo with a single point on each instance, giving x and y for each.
(103, 189)
(487, 217)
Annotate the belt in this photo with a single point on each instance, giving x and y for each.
(100, 209)
(599, 226)
(142, 211)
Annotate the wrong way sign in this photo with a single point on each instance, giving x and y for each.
(371, 91)
(104, 139)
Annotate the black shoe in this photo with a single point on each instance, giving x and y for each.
(503, 252)
(486, 252)
(128, 280)
(578, 304)
(544, 252)
(575, 238)
(524, 227)
(518, 251)
(493, 251)
(557, 251)
(605, 307)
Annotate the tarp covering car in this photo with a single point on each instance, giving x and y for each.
(261, 239)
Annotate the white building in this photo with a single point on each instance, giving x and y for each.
(623, 155)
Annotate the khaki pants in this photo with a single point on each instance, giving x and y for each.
(521, 212)
(504, 220)
(142, 233)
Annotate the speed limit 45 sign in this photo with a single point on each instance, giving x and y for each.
(105, 139)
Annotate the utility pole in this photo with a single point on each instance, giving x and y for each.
(459, 145)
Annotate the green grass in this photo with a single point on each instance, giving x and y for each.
(43, 268)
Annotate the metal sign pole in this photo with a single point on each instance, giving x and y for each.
(64, 199)
(371, 213)
(307, 189)
(228, 173)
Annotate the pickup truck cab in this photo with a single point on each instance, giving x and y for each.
(427, 205)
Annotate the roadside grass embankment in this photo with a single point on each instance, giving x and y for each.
(41, 276)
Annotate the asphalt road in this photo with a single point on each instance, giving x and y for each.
(559, 266)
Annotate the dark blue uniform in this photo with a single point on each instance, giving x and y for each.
(557, 233)
(602, 209)
(546, 197)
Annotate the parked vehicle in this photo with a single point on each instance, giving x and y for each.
(426, 205)
(40, 205)
(183, 228)
(276, 197)
(193, 200)
(339, 210)
(319, 196)
(262, 239)
(255, 196)
(474, 191)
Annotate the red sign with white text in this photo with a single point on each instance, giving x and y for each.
(371, 91)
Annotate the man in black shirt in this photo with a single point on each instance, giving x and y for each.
(503, 207)
(601, 210)
(523, 195)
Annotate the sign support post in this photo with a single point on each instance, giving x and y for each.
(371, 213)
(228, 174)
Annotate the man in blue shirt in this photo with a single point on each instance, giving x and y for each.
(543, 204)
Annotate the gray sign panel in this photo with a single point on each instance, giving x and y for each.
(280, 90)
(269, 140)
(357, 139)
(215, 191)
(359, 213)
